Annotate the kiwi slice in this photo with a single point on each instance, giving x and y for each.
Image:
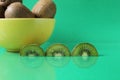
(31, 50)
(84, 49)
(58, 61)
(57, 50)
(85, 62)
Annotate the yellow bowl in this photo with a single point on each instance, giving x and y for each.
(15, 33)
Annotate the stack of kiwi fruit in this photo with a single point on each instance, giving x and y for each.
(15, 9)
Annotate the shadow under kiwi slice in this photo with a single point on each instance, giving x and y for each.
(58, 61)
(31, 62)
(85, 62)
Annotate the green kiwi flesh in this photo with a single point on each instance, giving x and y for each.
(84, 49)
(31, 50)
(57, 50)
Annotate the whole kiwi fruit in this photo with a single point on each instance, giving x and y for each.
(2, 10)
(44, 9)
(17, 10)
(5, 3)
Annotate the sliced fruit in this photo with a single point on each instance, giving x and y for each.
(57, 50)
(31, 50)
(84, 49)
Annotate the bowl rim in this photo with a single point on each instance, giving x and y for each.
(27, 19)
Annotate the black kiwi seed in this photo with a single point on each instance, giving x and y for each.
(17, 10)
(44, 9)
(5, 3)
(31, 50)
(84, 49)
(57, 50)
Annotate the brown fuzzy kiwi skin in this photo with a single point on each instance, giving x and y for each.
(44, 9)
(17, 10)
(5, 3)
(2, 11)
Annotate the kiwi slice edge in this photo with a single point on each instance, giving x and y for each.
(31, 50)
(57, 49)
(87, 48)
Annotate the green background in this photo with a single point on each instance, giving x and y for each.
(94, 21)
(85, 20)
